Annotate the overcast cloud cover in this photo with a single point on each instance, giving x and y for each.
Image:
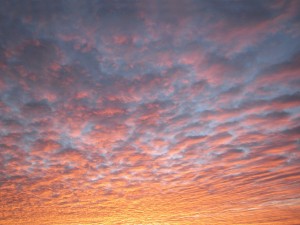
(141, 112)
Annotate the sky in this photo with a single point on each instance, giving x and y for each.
(169, 112)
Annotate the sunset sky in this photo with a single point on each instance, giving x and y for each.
(167, 112)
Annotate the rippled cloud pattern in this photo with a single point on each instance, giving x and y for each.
(149, 112)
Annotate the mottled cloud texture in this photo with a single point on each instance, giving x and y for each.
(149, 112)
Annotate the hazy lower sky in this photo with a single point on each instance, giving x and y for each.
(168, 112)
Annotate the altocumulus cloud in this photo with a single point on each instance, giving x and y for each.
(132, 112)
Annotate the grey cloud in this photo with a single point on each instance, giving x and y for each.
(36, 110)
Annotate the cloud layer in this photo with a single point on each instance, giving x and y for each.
(149, 112)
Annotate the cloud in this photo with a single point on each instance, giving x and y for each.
(36, 109)
(129, 112)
